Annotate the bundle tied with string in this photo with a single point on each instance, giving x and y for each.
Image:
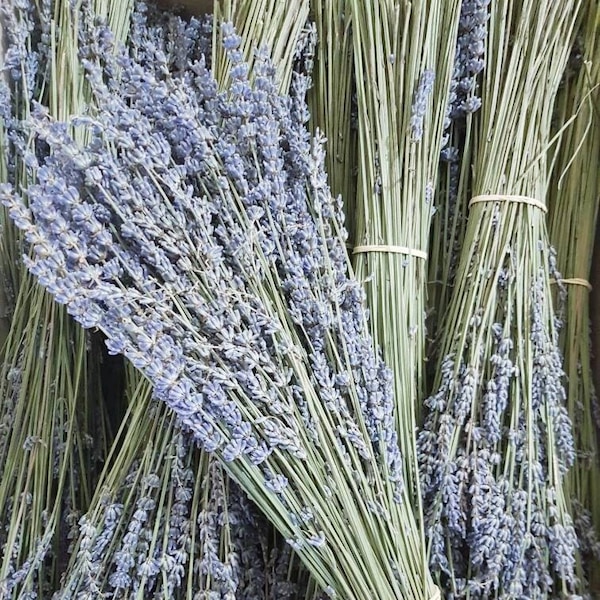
(497, 440)
(403, 62)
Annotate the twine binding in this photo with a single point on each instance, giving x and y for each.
(437, 595)
(508, 198)
(391, 250)
(576, 281)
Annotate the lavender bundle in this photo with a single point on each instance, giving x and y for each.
(52, 426)
(191, 531)
(403, 56)
(497, 442)
(197, 231)
(573, 210)
(166, 522)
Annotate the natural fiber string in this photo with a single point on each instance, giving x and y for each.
(391, 250)
(437, 595)
(576, 281)
(508, 198)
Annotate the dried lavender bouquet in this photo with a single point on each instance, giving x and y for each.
(403, 58)
(165, 520)
(573, 211)
(197, 231)
(497, 441)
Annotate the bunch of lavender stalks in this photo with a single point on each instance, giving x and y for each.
(497, 440)
(196, 230)
(573, 214)
(405, 51)
(166, 522)
(53, 430)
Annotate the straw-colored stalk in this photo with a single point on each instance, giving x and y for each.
(497, 442)
(573, 211)
(403, 55)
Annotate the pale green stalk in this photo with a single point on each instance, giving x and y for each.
(573, 210)
(274, 25)
(395, 45)
(447, 231)
(330, 99)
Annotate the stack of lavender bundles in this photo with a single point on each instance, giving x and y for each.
(197, 231)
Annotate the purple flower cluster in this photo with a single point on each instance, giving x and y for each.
(160, 538)
(469, 59)
(491, 448)
(419, 105)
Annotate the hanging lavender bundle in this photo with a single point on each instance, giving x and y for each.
(497, 440)
(197, 231)
(403, 59)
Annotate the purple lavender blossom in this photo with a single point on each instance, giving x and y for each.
(419, 105)
(491, 509)
(469, 59)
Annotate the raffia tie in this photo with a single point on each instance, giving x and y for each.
(509, 198)
(437, 595)
(390, 250)
(576, 281)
